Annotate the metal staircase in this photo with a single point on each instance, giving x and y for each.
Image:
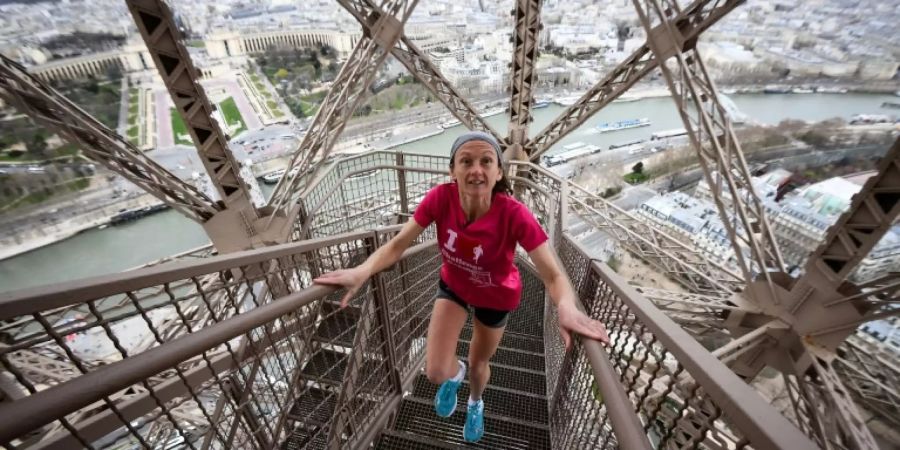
(516, 410)
(269, 360)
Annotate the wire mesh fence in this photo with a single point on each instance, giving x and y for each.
(243, 351)
(368, 191)
(677, 389)
(227, 352)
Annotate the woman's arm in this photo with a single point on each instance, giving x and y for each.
(571, 319)
(384, 257)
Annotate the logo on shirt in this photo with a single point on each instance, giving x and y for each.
(451, 239)
(466, 247)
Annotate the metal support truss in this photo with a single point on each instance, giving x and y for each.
(420, 66)
(527, 16)
(709, 128)
(873, 375)
(701, 15)
(51, 109)
(673, 257)
(347, 92)
(157, 26)
(839, 407)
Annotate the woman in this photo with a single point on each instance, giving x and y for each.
(478, 227)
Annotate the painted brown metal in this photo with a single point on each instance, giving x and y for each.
(420, 66)
(526, 27)
(702, 14)
(345, 95)
(39, 101)
(712, 136)
(156, 23)
(739, 401)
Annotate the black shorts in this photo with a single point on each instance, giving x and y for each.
(491, 318)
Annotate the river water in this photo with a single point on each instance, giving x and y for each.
(97, 252)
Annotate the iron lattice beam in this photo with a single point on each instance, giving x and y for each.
(709, 128)
(157, 26)
(874, 376)
(52, 110)
(345, 95)
(420, 66)
(837, 407)
(872, 212)
(701, 15)
(671, 256)
(527, 16)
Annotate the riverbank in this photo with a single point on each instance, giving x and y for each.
(41, 235)
(94, 252)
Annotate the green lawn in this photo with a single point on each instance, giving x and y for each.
(635, 178)
(179, 130)
(232, 116)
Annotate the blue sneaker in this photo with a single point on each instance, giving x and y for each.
(445, 399)
(474, 428)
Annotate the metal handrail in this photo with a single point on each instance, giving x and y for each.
(625, 422)
(31, 300)
(759, 422)
(32, 412)
(315, 209)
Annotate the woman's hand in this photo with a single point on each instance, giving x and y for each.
(571, 319)
(352, 279)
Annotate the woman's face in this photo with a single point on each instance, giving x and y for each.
(475, 168)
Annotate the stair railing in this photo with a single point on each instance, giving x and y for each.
(201, 355)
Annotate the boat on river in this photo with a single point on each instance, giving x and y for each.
(607, 127)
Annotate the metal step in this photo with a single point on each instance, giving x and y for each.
(327, 367)
(417, 417)
(398, 440)
(515, 405)
(306, 438)
(314, 406)
(339, 325)
(518, 379)
(512, 341)
(508, 357)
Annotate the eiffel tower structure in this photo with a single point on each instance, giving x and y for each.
(242, 350)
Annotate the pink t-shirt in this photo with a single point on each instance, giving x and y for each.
(478, 258)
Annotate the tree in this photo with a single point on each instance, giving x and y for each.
(281, 73)
(638, 168)
(37, 147)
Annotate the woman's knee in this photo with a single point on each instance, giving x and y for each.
(439, 373)
(478, 365)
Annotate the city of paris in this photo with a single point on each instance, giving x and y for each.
(215, 224)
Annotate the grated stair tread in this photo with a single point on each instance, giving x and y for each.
(338, 326)
(417, 417)
(397, 440)
(314, 407)
(515, 405)
(306, 438)
(512, 341)
(508, 357)
(327, 367)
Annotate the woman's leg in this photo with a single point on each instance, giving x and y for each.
(485, 340)
(447, 320)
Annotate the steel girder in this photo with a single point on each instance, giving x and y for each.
(700, 15)
(673, 257)
(52, 110)
(346, 93)
(873, 375)
(420, 66)
(527, 17)
(709, 128)
(157, 26)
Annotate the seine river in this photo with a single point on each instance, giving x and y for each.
(97, 252)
